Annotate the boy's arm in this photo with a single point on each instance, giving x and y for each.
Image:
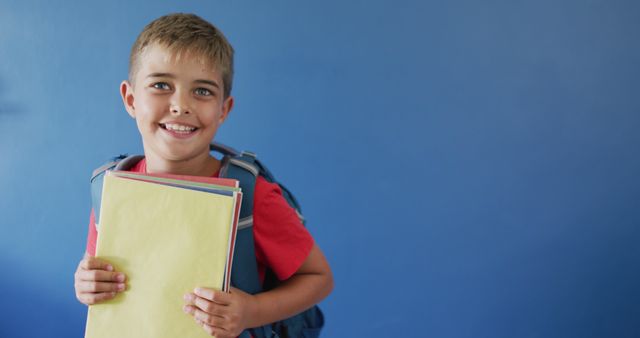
(307, 287)
(228, 314)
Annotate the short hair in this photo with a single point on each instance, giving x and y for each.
(186, 33)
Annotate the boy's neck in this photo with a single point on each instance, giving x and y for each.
(206, 165)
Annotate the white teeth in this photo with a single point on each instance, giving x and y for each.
(178, 127)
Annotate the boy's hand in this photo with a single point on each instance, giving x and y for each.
(96, 281)
(221, 314)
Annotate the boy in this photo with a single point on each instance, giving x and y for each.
(180, 76)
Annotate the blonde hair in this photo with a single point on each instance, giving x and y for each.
(186, 33)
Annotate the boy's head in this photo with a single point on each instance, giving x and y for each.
(182, 34)
(179, 90)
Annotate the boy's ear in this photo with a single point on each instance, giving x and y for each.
(227, 105)
(126, 91)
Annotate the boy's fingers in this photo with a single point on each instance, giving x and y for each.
(92, 263)
(213, 295)
(208, 319)
(209, 306)
(93, 298)
(213, 331)
(101, 276)
(92, 287)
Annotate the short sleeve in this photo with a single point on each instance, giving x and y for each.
(92, 235)
(282, 242)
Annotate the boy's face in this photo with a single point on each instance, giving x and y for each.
(178, 106)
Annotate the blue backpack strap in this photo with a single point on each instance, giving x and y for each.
(244, 274)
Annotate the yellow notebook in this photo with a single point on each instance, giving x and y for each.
(167, 240)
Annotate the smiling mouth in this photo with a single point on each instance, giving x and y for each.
(177, 128)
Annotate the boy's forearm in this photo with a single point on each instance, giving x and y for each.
(309, 285)
(295, 295)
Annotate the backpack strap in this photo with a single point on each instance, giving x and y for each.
(244, 274)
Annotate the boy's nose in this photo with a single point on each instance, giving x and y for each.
(178, 110)
(179, 103)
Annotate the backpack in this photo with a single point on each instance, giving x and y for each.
(244, 167)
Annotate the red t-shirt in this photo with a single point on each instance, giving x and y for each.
(282, 243)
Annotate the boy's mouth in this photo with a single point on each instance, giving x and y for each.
(178, 128)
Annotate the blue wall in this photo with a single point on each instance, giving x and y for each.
(471, 169)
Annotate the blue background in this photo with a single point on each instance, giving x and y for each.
(470, 168)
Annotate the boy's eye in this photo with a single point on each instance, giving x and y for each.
(203, 92)
(161, 85)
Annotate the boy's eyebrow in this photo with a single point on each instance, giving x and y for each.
(209, 82)
(171, 76)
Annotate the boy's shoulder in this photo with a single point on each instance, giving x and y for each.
(254, 177)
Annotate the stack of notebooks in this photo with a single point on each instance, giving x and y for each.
(169, 234)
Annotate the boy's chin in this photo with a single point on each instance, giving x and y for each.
(175, 154)
(172, 156)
